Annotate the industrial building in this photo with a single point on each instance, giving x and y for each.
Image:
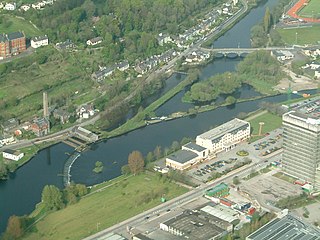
(220, 190)
(195, 225)
(301, 135)
(85, 134)
(14, 155)
(286, 227)
(224, 137)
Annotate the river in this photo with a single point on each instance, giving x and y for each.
(20, 193)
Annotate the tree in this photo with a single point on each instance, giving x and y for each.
(230, 100)
(81, 190)
(14, 228)
(125, 170)
(157, 152)
(236, 180)
(136, 162)
(267, 20)
(52, 198)
(149, 157)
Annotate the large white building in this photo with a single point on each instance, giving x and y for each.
(39, 41)
(224, 137)
(14, 155)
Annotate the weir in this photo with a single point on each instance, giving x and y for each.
(67, 167)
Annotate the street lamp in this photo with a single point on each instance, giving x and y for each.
(296, 38)
(98, 224)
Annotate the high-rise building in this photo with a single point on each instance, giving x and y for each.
(301, 142)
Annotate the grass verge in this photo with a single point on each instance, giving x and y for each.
(301, 36)
(120, 201)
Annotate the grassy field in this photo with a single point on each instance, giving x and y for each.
(271, 122)
(105, 208)
(12, 24)
(312, 10)
(305, 35)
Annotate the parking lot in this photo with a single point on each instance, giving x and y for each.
(258, 151)
(268, 189)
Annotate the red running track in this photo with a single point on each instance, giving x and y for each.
(295, 9)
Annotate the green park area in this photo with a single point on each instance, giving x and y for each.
(311, 10)
(10, 24)
(271, 122)
(106, 207)
(301, 36)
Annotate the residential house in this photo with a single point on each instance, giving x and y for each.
(10, 6)
(94, 41)
(38, 5)
(39, 41)
(12, 44)
(6, 139)
(62, 115)
(25, 7)
(67, 45)
(282, 55)
(10, 125)
(40, 126)
(314, 66)
(1, 5)
(102, 73)
(122, 66)
(14, 155)
(86, 111)
(163, 39)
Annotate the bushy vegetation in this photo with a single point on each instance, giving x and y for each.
(259, 69)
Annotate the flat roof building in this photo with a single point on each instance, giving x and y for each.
(193, 225)
(287, 227)
(182, 159)
(301, 134)
(224, 137)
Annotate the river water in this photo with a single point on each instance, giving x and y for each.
(22, 191)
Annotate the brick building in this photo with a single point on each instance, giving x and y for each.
(12, 44)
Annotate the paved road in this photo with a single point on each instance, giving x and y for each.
(177, 202)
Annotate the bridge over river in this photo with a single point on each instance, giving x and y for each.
(242, 52)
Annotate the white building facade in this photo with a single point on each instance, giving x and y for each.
(39, 41)
(224, 137)
(12, 154)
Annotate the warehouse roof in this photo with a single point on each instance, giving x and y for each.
(288, 227)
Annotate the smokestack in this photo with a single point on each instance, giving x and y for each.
(45, 105)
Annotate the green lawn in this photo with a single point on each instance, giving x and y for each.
(312, 10)
(271, 122)
(105, 208)
(305, 35)
(12, 24)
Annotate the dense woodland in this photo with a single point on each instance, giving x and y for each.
(128, 27)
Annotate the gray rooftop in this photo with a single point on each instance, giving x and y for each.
(307, 109)
(288, 227)
(195, 147)
(3, 37)
(39, 38)
(228, 127)
(182, 156)
(194, 226)
(15, 35)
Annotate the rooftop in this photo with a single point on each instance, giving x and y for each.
(15, 35)
(221, 130)
(218, 188)
(111, 236)
(194, 226)
(195, 147)
(288, 227)
(11, 151)
(222, 212)
(40, 38)
(307, 110)
(182, 156)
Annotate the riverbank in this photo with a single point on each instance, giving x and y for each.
(106, 207)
